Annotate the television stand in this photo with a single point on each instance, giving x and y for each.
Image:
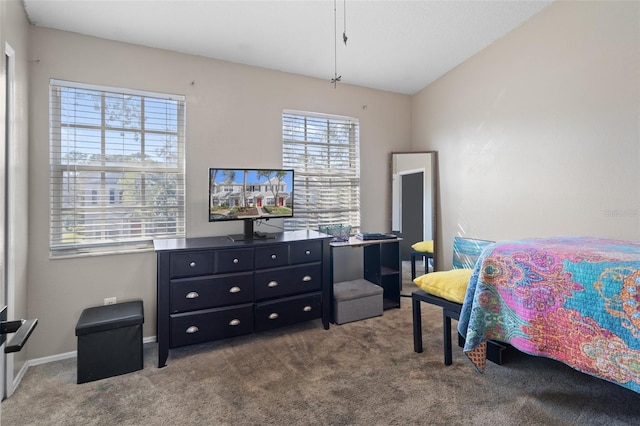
(210, 288)
(249, 234)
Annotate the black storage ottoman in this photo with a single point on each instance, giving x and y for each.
(109, 340)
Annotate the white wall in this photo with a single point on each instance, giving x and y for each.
(233, 120)
(538, 134)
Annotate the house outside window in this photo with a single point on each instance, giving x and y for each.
(116, 168)
(324, 151)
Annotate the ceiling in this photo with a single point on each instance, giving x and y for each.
(394, 45)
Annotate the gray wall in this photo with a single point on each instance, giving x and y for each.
(234, 119)
(538, 134)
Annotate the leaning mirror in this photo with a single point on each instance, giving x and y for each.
(413, 196)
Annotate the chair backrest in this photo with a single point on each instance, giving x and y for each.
(466, 252)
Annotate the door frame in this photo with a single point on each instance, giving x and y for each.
(8, 214)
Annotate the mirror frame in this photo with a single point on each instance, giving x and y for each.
(435, 185)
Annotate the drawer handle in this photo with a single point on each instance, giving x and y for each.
(234, 322)
(273, 256)
(235, 260)
(273, 284)
(306, 278)
(307, 308)
(235, 289)
(308, 252)
(192, 329)
(192, 295)
(273, 316)
(192, 264)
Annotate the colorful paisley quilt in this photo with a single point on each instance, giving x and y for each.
(573, 299)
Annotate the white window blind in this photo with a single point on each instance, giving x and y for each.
(116, 168)
(324, 151)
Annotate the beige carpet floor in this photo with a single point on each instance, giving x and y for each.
(361, 373)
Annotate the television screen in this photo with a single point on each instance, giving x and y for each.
(250, 194)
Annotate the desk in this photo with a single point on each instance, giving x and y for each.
(382, 266)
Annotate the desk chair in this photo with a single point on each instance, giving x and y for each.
(450, 287)
(423, 250)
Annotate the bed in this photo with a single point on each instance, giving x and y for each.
(572, 299)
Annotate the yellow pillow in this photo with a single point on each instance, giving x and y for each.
(450, 285)
(423, 246)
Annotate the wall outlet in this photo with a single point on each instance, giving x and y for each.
(110, 300)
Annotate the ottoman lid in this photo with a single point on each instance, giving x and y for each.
(356, 289)
(107, 317)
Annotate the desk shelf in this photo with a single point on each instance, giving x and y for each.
(381, 266)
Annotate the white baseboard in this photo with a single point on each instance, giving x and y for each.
(66, 355)
(11, 387)
(52, 358)
(44, 360)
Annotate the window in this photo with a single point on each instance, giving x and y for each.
(325, 154)
(116, 168)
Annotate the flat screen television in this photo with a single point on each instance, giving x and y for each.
(250, 195)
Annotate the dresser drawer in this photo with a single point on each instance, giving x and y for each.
(190, 294)
(288, 281)
(272, 256)
(236, 260)
(210, 324)
(308, 251)
(287, 311)
(191, 264)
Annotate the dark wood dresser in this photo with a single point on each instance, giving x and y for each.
(212, 288)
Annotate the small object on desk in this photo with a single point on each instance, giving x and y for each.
(259, 234)
(339, 233)
(375, 236)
